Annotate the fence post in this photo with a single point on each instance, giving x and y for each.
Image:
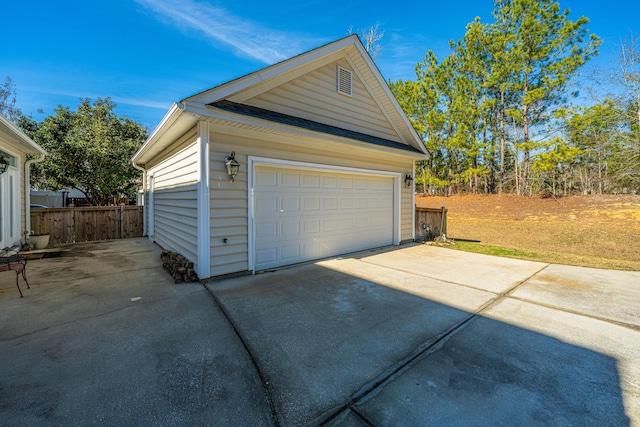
(73, 223)
(120, 222)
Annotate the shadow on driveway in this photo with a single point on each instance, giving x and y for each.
(398, 336)
(348, 342)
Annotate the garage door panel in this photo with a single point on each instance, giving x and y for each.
(290, 253)
(330, 203)
(311, 181)
(267, 178)
(266, 204)
(361, 203)
(329, 182)
(311, 203)
(267, 256)
(330, 225)
(303, 215)
(290, 180)
(346, 224)
(289, 204)
(312, 226)
(346, 203)
(290, 229)
(346, 183)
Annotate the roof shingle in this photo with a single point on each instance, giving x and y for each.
(272, 116)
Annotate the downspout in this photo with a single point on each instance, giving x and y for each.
(27, 190)
(144, 191)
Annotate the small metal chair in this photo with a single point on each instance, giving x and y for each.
(10, 260)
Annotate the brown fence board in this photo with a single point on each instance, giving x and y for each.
(87, 224)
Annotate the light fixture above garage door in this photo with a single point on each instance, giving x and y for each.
(232, 165)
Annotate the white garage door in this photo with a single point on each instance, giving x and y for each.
(301, 215)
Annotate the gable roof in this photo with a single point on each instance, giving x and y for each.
(229, 97)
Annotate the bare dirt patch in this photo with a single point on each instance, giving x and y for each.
(597, 231)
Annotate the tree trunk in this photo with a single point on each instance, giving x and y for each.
(516, 172)
(525, 130)
(502, 141)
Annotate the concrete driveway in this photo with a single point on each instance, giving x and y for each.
(414, 335)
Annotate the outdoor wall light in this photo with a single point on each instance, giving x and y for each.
(4, 164)
(232, 166)
(408, 179)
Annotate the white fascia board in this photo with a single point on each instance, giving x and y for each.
(19, 139)
(156, 143)
(217, 113)
(169, 118)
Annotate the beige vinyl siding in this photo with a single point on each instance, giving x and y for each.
(314, 96)
(229, 211)
(175, 200)
(384, 96)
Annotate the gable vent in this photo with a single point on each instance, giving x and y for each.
(344, 81)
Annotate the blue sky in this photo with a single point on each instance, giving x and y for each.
(147, 54)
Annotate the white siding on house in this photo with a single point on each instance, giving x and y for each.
(229, 207)
(12, 200)
(314, 96)
(173, 200)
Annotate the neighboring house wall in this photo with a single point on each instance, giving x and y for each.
(54, 199)
(229, 201)
(173, 198)
(12, 207)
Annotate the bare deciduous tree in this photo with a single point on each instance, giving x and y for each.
(8, 96)
(371, 38)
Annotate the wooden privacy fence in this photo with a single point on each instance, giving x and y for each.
(430, 223)
(86, 224)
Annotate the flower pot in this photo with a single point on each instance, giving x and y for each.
(40, 241)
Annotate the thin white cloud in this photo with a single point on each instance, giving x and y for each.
(138, 102)
(249, 38)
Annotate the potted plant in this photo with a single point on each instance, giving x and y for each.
(39, 241)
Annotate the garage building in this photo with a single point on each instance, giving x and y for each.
(308, 158)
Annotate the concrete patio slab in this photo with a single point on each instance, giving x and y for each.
(492, 372)
(380, 338)
(607, 294)
(322, 334)
(104, 337)
(493, 274)
(414, 335)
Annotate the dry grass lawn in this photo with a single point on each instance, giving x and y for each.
(600, 231)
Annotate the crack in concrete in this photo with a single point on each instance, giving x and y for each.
(275, 417)
(451, 282)
(361, 417)
(578, 313)
(421, 351)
